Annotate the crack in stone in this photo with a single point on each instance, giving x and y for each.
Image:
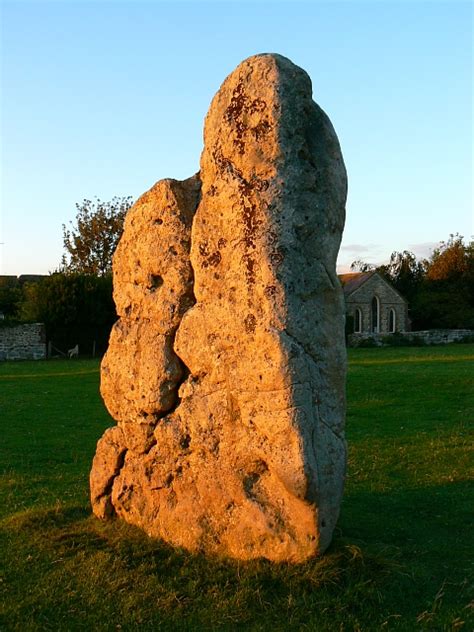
(330, 277)
(107, 492)
(314, 403)
(336, 434)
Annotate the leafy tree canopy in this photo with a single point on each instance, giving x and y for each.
(76, 308)
(362, 266)
(91, 242)
(10, 296)
(405, 272)
(452, 259)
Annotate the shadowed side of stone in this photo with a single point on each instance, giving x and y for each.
(241, 452)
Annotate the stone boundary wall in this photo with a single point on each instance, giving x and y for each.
(23, 342)
(428, 337)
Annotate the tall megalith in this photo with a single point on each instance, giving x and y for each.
(226, 370)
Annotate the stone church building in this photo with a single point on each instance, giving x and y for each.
(374, 305)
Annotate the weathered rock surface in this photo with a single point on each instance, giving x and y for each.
(226, 370)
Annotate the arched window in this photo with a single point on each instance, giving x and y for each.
(375, 312)
(357, 321)
(392, 321)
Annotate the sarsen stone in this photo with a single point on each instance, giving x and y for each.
(226, 370)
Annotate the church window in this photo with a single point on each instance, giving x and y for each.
(375, 312)
(357, 321)
(392, 321)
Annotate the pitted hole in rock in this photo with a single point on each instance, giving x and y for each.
(251, 479)
(158, 221)
(185, 441)
(155, 281)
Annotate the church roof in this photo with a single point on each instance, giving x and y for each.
(352, 281)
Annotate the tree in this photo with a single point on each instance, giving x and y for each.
(91, 243)
(451, 260)
(404, 272)
(75, 308)
(447, 294)
(362, 266)
(10, 296)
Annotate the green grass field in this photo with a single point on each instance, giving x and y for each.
(402, 556)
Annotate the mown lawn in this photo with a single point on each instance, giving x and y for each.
(402, 556)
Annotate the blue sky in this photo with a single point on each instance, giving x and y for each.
(104, 98)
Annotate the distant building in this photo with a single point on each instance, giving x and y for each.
(373, 305)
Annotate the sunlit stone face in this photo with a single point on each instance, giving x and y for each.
(226, 370)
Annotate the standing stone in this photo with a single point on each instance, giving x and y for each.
(226, 370)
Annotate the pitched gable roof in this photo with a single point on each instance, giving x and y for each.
(353, 281)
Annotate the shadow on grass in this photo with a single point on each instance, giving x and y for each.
(358, 584)
(435, 515)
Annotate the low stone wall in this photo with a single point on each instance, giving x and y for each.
(427, 337)
(23, 342)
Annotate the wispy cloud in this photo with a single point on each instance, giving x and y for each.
(424, 249)
(376, 254)
(370, 253)
(359, 248)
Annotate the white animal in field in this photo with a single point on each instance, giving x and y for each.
(74, 352)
